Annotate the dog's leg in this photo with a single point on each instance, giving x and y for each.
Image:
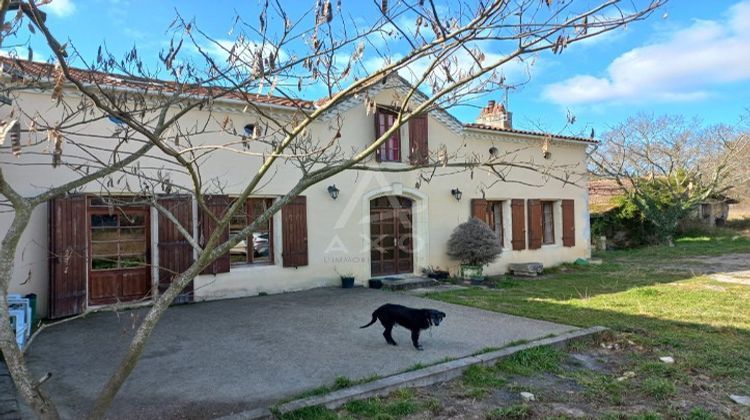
(387, 334)
(415, 339)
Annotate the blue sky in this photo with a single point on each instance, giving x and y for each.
(691, 58)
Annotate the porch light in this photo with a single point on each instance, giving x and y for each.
(456, 194)
(333, 191)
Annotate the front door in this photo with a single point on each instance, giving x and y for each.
(119, 260)
(391, 236)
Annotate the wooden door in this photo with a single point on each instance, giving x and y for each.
(67, 264)
(391, 240)
(119, 253)
(175, 252)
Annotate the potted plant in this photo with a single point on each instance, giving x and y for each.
(347, 280)
(475, 245)
(435, 273)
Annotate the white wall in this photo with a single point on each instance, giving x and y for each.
(337, 229)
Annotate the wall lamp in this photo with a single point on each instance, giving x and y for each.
(333, 191)
(456, 194)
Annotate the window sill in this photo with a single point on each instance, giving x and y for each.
(250, 267)
(394, 163)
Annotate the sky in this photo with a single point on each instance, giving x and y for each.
(690, 58)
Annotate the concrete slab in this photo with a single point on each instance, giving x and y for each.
(214, 359)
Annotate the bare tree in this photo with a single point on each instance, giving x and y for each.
(159, 139)
(668, 165)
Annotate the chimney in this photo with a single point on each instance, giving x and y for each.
(496, 116)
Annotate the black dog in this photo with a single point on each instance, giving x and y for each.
(409, 318)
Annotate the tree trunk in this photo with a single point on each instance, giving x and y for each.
(30, 391)
(107, 394)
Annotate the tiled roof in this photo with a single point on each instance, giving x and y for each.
(603, 195)
(529, 133)
(46, 70)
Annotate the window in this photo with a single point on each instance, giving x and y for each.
(256, 248)
(548, 222)
(390, 150)
(494, 218)
(119, 240)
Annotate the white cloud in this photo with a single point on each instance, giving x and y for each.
(61, 8)
(680, 68)
(243, 49)
(23, 52)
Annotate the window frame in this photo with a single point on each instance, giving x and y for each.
(545, 219)
(491, 221)
(393, 144)
(100, 210)
(250, 258)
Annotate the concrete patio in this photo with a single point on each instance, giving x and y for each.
(212, 359)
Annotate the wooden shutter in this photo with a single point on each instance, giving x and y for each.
(68, 239)
(217, 205)
(568, 223)
(379, 130)
(518, 220)
(175, 252)
(294, 232)
(418, 148)
(479, 209)
(535, 224)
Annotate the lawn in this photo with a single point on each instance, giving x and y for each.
(650, 298)
(656, 306)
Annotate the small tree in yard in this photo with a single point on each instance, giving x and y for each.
(474, 244)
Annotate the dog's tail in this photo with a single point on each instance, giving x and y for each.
(374, 319)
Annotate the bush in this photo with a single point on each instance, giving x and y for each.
(624, 226)
(474, 243)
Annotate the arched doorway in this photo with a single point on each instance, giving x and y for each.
(391, 239)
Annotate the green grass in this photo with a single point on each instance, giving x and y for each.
(602, 388)
(518, 411)
(703, 324)
(340, 382)
(531, 361)
(479, 376)
(659, 388)
(399, 404)
(310, 413)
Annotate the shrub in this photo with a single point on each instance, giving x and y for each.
(474, 243)
(624, 226)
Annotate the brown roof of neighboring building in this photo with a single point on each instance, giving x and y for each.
(47, 70)
(529, 133)
(603, 195)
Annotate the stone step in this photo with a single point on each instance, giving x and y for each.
(406, 283)
(531, 269)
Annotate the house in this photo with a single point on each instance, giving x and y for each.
(83, 250)
(714, 211)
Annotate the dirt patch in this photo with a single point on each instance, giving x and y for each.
(723, 264)
(739, 277)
